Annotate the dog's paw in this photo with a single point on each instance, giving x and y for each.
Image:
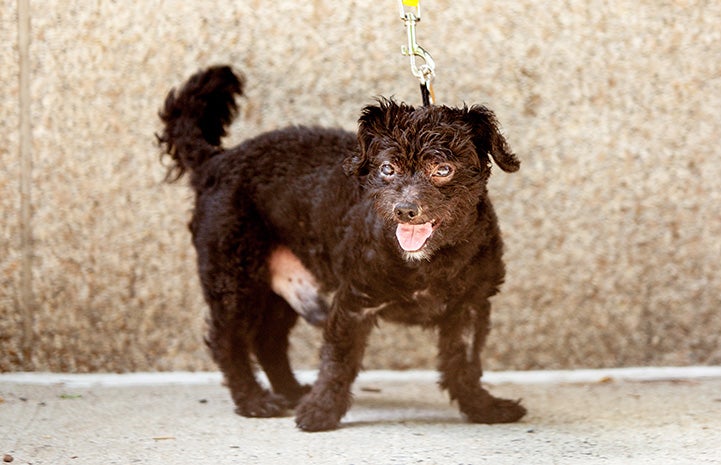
(494, 410)
(316, 416)
(264, 405)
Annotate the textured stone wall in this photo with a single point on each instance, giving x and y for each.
(612, 226)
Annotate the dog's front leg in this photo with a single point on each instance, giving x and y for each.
(461, 337)
(345, 335)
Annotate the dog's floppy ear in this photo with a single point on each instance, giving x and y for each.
(488, 139)
(369, 126)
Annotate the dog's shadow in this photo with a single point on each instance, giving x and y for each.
(374, 409)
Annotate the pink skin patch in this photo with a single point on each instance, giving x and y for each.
(291, 280)
(412, 237)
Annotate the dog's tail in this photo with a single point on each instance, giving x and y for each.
(196, 118)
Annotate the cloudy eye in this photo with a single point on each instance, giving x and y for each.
(443, 171)
(387, 170)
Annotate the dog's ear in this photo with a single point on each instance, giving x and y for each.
(369, 125)
(376, 122)
(488, 139)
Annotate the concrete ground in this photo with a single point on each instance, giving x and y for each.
(626, 416)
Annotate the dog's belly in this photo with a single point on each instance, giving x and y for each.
(292, 281)
(297, 286)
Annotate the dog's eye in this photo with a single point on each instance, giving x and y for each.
(387, 170)
(443, 171)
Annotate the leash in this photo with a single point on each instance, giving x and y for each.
(411, 14)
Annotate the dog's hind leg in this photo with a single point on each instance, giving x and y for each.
(271, 348)
(232, 257)
(230, 339)
(461, 337)
(234, 318)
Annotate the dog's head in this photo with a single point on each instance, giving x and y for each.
(426, 169)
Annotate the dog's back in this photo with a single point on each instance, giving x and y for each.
(284, 167)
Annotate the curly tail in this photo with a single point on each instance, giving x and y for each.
(196, 118)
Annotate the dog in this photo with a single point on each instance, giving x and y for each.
(342, 229)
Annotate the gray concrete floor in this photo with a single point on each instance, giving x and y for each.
(397, 418)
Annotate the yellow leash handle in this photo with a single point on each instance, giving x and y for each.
(410, 7)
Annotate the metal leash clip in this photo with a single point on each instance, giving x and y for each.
(410, 12)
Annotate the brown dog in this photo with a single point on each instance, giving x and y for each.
(342, 229)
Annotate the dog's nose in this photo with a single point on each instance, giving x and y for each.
(406, 211)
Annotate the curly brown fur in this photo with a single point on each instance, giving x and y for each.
(391, 223)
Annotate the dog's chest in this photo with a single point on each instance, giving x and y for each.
(418, 307)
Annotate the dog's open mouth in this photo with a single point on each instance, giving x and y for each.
(412, 237)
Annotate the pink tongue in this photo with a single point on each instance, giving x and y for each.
(411, 237)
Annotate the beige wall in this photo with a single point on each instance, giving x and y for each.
(612, 225)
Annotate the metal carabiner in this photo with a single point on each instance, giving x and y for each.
(426, 71)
